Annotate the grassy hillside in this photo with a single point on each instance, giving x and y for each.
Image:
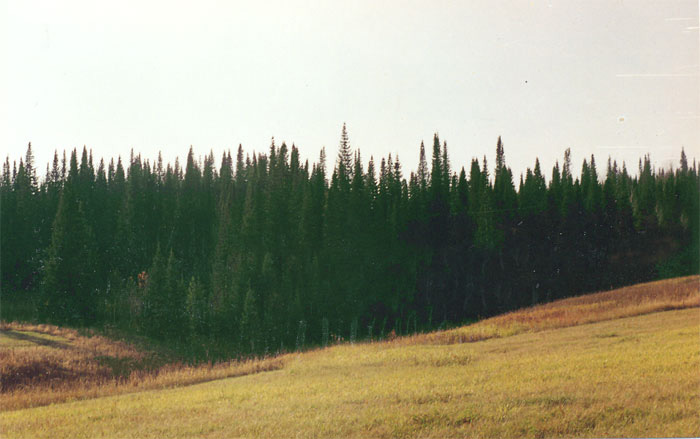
(630, 376)
(663, 295)
(44, 364)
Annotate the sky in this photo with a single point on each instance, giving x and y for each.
(606, 77)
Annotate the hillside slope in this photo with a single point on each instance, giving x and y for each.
(634, 300)
(630, 376)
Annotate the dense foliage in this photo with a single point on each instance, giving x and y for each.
(270, 253)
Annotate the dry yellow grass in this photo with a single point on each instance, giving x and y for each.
(34, 356)
(45, 364)
(635, 376)
(663, 295)
(539, 375)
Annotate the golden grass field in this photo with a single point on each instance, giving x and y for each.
(43, 364)
(590, 371)
(663, 295)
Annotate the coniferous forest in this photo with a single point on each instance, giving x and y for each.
(267, 253)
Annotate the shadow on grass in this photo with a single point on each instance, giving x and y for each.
(23, 336)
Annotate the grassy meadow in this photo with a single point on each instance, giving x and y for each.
(620, 363)
(663, 295)
(44, 364)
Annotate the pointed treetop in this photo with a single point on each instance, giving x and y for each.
(684, 161)
(55, 170)
(474, 172)
(485, 170)
(322, 161)
(344, 160)
(566, 169)
(370, 167)
(29, 167)
(538, 171)
(357, 170)
(273, 152)
(436, 173)
(73, 171)
(556, 175)
(594, 171)
(423, 172)
(64, 168)
(445, 161)
(500, 156)
(294, 158)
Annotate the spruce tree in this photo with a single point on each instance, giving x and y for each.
(70, 293)
(344, 161)
(423, 172)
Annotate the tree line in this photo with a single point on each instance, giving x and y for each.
(267, 253)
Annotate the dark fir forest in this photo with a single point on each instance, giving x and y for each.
(266, 253)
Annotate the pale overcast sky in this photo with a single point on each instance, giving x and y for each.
(607, 77)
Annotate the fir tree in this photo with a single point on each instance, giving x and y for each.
(70, 294)
(344, 161)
